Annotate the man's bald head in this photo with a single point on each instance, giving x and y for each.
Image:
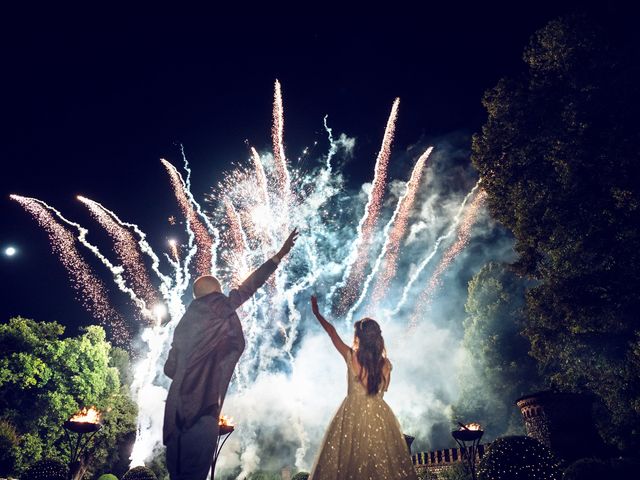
(205, 285)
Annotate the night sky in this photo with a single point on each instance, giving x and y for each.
(92, 99)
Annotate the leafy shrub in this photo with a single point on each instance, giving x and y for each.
(8, 448)
(140, 473)
(518, 457)
(47, 469)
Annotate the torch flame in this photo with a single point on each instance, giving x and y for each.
(225, 421)
(90, 415)
(471, 426)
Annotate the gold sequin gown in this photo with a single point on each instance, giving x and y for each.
(364, 440)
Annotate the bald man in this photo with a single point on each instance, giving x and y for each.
(207, 344)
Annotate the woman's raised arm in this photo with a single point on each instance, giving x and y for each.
(342, 347)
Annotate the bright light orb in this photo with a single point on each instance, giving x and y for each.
(262, 216)
(159, 310)
(10, 251)
(173, 242)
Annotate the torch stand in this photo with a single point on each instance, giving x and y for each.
(84, 433)
(468, 441)
(224, 431)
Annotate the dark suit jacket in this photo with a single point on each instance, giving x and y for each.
(207, 344)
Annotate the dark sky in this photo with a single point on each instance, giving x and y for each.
(91, 99)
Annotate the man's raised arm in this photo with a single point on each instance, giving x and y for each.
(244, 292)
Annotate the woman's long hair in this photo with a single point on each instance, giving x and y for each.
(371, 353)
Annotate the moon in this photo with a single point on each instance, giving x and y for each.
(10, 251)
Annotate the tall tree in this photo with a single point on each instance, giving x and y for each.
(45, 378)
(500, 369)
(559, 159)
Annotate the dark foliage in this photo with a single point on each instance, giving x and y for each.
(559, 159)
(8, 448)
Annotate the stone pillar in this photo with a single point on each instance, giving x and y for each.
(563, 422)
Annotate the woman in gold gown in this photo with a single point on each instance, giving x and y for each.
(364, 440)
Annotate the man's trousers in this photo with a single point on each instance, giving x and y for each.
(190, 452)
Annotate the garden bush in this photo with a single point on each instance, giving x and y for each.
(108, 476)
(47, 469)
(518, 457)
(8, 448)
(140, 473)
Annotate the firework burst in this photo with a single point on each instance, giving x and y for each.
(253, 207)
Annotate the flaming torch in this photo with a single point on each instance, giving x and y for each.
(86, 421)
(468, 438)
(225, 429)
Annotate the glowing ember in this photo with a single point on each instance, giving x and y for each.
(90, 415)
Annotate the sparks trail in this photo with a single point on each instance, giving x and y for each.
(359, 257)
(92, 292)
(261, 177)
(405, 206)
(203, 242)
(423, 264)
(116, 270)
(166, 281)
(126, 247)
(283, 178)
(464, 234)
(175, 249)
(213, 231)
(393, 233)
(236, 254)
